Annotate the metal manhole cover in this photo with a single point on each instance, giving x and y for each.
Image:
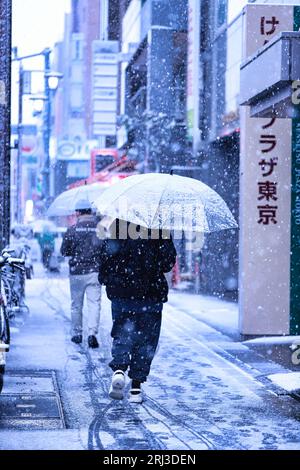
(30, 400)
(22, 406)
(14, 384)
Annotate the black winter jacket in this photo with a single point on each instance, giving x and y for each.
(134, 269)
(81, 243)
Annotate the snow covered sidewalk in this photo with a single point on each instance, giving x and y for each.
(222, 315)
(205, 390)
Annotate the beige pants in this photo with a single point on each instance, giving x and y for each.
(79, 286)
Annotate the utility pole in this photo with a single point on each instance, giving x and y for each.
(47, 130)
(46, 120)
(5, 103)
(20, 146)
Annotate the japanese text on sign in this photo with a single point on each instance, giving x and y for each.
(267, 188)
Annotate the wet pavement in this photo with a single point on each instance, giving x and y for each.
(206, 390)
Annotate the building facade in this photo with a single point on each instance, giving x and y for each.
(69, 105)
(152, 82)
(177, 98)
(215, 132)
(76, 102)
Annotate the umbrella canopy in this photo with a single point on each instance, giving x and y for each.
(171, 202)
(65, 203)
(43, 225)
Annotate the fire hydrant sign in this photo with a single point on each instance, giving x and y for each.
(269, 234)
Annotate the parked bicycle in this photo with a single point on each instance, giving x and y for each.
(6, 260)
(14, 282)
(21, 240)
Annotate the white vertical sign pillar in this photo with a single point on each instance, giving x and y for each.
(265, 196)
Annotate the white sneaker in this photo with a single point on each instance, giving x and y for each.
(116, 390)
(135, 395)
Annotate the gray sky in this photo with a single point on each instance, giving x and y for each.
(37, 24)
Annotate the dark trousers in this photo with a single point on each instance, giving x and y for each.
(135, 333)
(46, 255)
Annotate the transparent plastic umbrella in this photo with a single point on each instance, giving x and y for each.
(65, 203)
(170, 202)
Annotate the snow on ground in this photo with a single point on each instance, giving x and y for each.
(275, 340)
(195, 397)
(289, 381)
(219, 313)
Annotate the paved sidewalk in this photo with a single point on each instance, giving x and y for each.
(205, 391)
(223, 316)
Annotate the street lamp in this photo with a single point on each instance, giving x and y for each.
(51, 81)
(42, 103)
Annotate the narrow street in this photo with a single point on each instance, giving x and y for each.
(201, 394)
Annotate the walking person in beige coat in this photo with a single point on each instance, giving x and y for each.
(82, 246)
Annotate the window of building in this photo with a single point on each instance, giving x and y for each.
(232, 72)
(77, 45)
(113, 20)
(110, 141)
(78, 169)
(76, 114)
(77, 49)
(221, 55)
(221, 12)
(206, 35)
(221, 43)
(102, 161)
(32, 178)
(179, 74)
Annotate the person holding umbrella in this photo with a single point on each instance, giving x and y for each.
(133, 268)
(82, 245)
(133, 272)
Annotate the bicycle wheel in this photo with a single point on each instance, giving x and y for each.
(4, 326)
(2, 370)
(2, 322)
(7, 288)
(9, 297)
(4, 338)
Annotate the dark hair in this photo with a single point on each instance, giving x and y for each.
(84, 211)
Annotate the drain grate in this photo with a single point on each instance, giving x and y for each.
(30, 400)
